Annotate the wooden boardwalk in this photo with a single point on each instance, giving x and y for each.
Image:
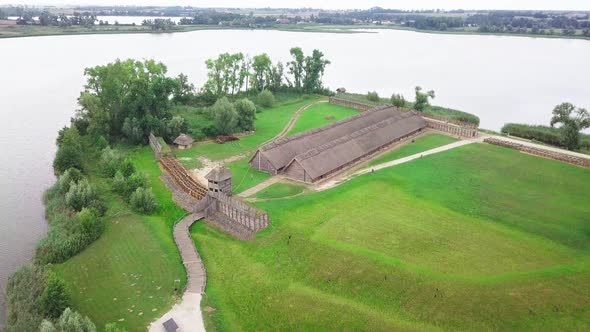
(195, 270)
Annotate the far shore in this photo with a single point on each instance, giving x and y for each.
(17, 31)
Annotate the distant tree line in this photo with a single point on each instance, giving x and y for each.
(160, 24)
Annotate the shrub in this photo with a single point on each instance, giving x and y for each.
(110, 160)
(54, 299)
(23, 292)
(127, 186)
(143, 201)
(70, 176)
(81, 195)
(225, 116)
(266, 99)
(72, 321)
(373, 96)
(544, 134)
(246, 114)
(398, 100)
(69, 150)
(101, 143)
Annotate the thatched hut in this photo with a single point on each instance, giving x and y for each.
(184, 141)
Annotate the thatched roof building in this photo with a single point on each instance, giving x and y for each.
(184, 141)
(318, 153)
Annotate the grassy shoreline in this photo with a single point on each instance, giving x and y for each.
(40, 31)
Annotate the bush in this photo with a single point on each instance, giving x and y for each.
(23, 292)
(69, 321)
(69, 177)
(373, 96)
(266, 99)
(101, 143)
(110, 161)
(246, 114)
(127, 186)
(69, 150)
(80, 195)
(398, 100)
(544, 134)
(54, 299)
(225, 116)
(143, 201)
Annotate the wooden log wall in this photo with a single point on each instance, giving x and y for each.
(451, 128)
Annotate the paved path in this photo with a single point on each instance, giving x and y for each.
(187, 314)
(338, 181)
(261, 186)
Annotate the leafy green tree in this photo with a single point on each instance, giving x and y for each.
(398, 100)
(81, 194)
(246, 114)
(91, 223)
(261, 66)
(69, 150)
(175, 127)
(69, 177)
(573, 120)
(296, 66)
(225, 116)
(101, 143)
(127, 99)
(315, 65)
(72, 321)
(182, 91)
(143, 201)
(54, 299)
(266, 99)
(373, 96)
(422, 99)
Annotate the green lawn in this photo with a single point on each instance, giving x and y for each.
(268, 123)
(128, 275)
(420, 144)
(279, 190)
(476, 238)
(320, 115)
(244, 176)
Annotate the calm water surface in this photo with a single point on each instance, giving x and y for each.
(501, 79)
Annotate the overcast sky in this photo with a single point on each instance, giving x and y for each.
(335, 4)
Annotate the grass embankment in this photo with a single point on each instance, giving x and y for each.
(320, 115)
(423, 143)
(280, 190)
(129, 275)
(477, 238)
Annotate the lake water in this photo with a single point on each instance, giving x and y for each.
(501, 79)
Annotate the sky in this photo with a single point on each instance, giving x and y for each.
(333, 4)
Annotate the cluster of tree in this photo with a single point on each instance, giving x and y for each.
(126, 100)
(160, 24)
(212, 17)
(231, 117)
(37, 300)
(131, 185)
(572, 119)
(229, 74)
(46, 18)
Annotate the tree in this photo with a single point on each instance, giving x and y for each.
(296, 66)
(54, 299)
(373, 96)
(225, 116)
(314, 67)
(127, 99)
(246, 114)
(72, 321)
(422, 99)
(573, 120)
(69, 150)
(266, 98)
(143, 201)
(81, 194)
(182, 91)
(261, 65)
(175, 127)
(398, 100)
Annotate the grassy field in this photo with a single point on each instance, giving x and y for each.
(130, 274)
(423, 143)
(268, 123)
(475, 238)
(280, 190)
(320, 115)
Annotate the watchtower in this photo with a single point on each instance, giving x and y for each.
(219, 180)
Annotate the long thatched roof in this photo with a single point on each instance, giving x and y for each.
(323, 150)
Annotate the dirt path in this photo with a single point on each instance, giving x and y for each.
(293, 121)
(261, 186)
(187, 314)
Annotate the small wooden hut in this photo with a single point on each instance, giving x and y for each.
(184, 141)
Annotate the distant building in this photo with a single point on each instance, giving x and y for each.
(184, 141)
(341, 90)
(219, 180)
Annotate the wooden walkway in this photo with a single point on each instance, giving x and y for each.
(195, 270)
